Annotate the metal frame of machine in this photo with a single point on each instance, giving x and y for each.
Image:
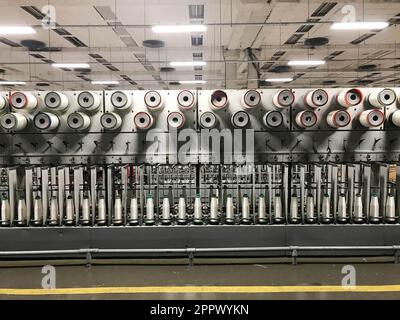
(75, 172)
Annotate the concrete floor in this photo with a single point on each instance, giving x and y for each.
(254, 274)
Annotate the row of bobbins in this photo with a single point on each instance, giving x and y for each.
(59, 103)
(218, 100)
(349, 98)
(154, 102)
(307, 118)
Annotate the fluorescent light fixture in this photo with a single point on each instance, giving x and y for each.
(192, 82)
(105, 82)
(17, 83)
(360, 25)
(279, 79)
(187, 63)
(8, 30)
(179, 28)
(71, 65)
(306, 62)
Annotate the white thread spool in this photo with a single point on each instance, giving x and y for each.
(396, 118)
(240, 119)
(371, 118)
(117, 210)
(306, 119)
(283, 98)
(23, 101)
(14, 121)
(21, 211)
(214, 209)
(182, 218)
(153, 100)
(251, 99)
(78, 121)
(56, 101)
(5, 211)
(350, 97)
(198, 212)
(262, 211)
(208, 120)
(46, 121)
(245, 209)
(316, 98)
(310, 207)
(229, 209)
(273, 119)
(338, 118)
(53, 210)
(134, 211)
(149, 209)
(166, 211)
(218, 100)
(390, 207)
(358, 211)
(278, 207)
(120, 100)
(3, 104)
(186, 100)
(382, 98)
(111, 121)
(89, 100)
(374, 208)
(85, 210)
(294, 208)
(326, 207)
(101, 210)
(37, 210)
(342, 208)
(176, 120)
(143, 120)
(69, 210)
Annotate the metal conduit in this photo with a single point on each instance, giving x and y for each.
(202, 250)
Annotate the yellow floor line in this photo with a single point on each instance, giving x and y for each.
(198, 289)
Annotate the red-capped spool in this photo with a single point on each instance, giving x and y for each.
(218, 100)
(350, 97)
(186, 100)
(316, 98)
(143, 120)
(372, 118)
(283, 98)
(23, 101)
(338, 118)
(306, 119)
